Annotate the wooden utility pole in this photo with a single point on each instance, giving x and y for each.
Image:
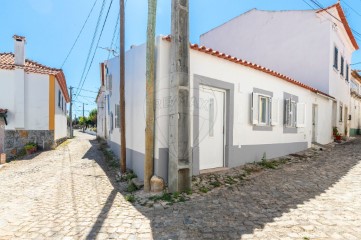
(123, 145)
(150, 75)
(180, 155)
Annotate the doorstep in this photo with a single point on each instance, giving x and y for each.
(213, 170)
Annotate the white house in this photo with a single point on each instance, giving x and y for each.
(355, 104)
(240, 110)
(35, 98)
(312, 46)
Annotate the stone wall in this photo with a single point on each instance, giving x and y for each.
(15, 140)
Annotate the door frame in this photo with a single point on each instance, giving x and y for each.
(224, 92)
(314, 119)
(229, 115)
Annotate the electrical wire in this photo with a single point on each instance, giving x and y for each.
(114, 34)
(91, 46)
(77, 38)
(320, 6)
(96, 48)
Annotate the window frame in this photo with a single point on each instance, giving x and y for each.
(335, 58)
(342, 66)
(347, 77)
(267, 109)
(290, 113)
(59, 98)
(340, 117)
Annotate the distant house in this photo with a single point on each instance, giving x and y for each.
(35, 97)
(355, 105)
(239, 110)
(313, 46)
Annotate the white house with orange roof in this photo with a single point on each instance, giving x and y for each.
(33, 100)
(355, 104)
(313, 46)
(240, 111)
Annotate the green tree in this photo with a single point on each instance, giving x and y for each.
(93, 116)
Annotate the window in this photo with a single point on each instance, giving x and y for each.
(335, 59)
(62, 103)
(117, 116)
(347, 72)
(110, 83)
(342, 66)
(263, 110)
(59, 98)
(341, 109)
(290, 113)
(111, 122)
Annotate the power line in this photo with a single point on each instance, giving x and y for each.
(91, 45)
(351, 8)
(356, 63)
(320, 6)
(81, 30)
(85, 90)
(114, 34)
(96, 48)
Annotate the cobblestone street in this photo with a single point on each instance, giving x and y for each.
(68, 193)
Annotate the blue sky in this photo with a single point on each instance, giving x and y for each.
(51, 27)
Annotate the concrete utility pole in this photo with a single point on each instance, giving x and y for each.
(149, 130)
(180, 155)
(123, 160)
(71, 112)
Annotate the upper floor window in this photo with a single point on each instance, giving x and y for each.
(342, 66)
(62, 103)
(347, 72)
(59, 98)
(335, 58)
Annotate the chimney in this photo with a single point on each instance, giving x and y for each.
(19, 50)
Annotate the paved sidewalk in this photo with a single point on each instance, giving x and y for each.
(68, 193)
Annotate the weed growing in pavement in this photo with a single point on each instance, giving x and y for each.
(131, 187)
(130, 198)
(204, 189)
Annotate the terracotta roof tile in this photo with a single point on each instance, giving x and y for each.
(7, 62)
(251, 65)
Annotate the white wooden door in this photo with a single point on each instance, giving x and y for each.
(211, 127)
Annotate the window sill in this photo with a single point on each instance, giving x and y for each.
(262, 127)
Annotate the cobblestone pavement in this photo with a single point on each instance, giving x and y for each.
(67, 194)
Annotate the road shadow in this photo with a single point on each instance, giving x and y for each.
(231, 212)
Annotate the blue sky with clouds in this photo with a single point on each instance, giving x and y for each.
(51, 27)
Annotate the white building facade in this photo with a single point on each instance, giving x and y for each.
(240, 111)
(35, 98)
(313, 46)
(355, 104)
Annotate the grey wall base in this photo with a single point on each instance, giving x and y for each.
(237, 156)
(15, 140)
(254, 153)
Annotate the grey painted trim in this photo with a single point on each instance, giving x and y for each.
(229, 111)
(251, 153)
(264, 92)
(135, 161)
(260, 127)
(291, 130)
